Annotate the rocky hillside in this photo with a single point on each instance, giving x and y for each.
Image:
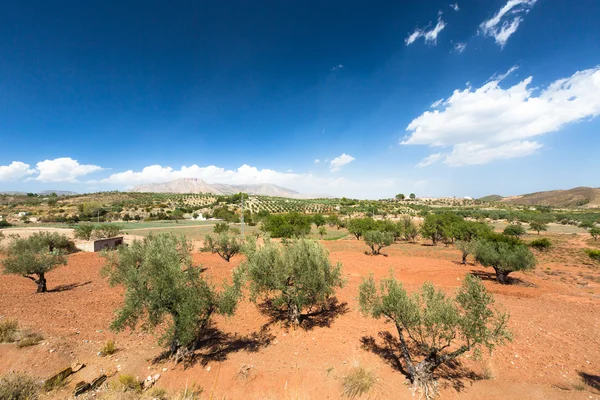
(577, 197)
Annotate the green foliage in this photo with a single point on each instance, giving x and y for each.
(359, 226)
(295, 276)
(504, 257)
(322, 231)
(8, 330)
(514, 230)
(287, 225)
(400, 196)
(226, 215)
(441, 227)
(593, 254)
(35, 255)
(377, 240)
(441, 328)
(318, 220)
(409, 229)
(538, 226)
(221, 227)
(595, 232)
(466, 248)
(107, 230)
(541, 244)
(129, 383)
(412, 196)
(84, 231)
(224, 245)
(162, 287)
(16, 386)
(5, 224)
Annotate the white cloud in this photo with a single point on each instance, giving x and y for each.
(317, 161)
(305, 183)
(337, 163)
(430, 159)
(63, 169)
(455, 7)
(506, 21)
(339, 66)
(430, 36)
(14, 171)
(460, 47)
(491, 122)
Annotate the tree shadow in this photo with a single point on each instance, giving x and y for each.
(428, 244)
(70, 286)
(452, 372)
(491, 276)
(590, 380)
(216, 345)
(319, 318)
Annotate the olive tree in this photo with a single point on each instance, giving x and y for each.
(432, 327)
(410, 229)
(223, 244)
(377, 240)
(35, 256)
(107, 230)
(466, 248)
(514, 230)
(504, 257)
(538, 226)
(84, 231)
(221, 227)
(164, 288)
(358, 226)
(294, 277)
(595, 232)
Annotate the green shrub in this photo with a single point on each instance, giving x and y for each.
(288, 225)
(541, 244)
(514, 230)
(108, 348)
(377, 240)
(593, 254)
(84, 231)
(224, 245)
(221, 227)
(504, 257)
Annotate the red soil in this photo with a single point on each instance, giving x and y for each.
(556, 328)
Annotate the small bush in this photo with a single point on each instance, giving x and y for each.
(358, 382)
(541, 244)
(128, 382)
(30, 340)
(109, 348)
(8, 331)
(593, 254)
(190, 393)
(19, 387)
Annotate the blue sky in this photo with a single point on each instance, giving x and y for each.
(440, 99)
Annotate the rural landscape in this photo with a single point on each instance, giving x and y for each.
(317, 298)
(300, 200)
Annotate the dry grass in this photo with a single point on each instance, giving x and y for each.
(19, 387)
(108, 348)
(127, 382)
(8, 331)
(189, 393)
(358, 382)
(30, 339)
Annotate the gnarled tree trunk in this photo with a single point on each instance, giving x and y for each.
(294, 314)
(41, 283)
(502, 276)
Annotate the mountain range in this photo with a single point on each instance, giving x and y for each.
(197, 185)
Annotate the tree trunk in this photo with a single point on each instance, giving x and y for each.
(502, 276)
(41, 283)
(294, 314)
(464, 258)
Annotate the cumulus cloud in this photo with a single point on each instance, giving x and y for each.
(492, 122)
(506, 21)
(430, 35)
(15, 171)
(305, 183)
(337, 163)
(430, 159)
(455, 7)
(317, 161)
(63, 169)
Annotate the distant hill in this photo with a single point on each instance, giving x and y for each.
(491, 197)
(577, 197)
(42, 193)
(196, 185)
